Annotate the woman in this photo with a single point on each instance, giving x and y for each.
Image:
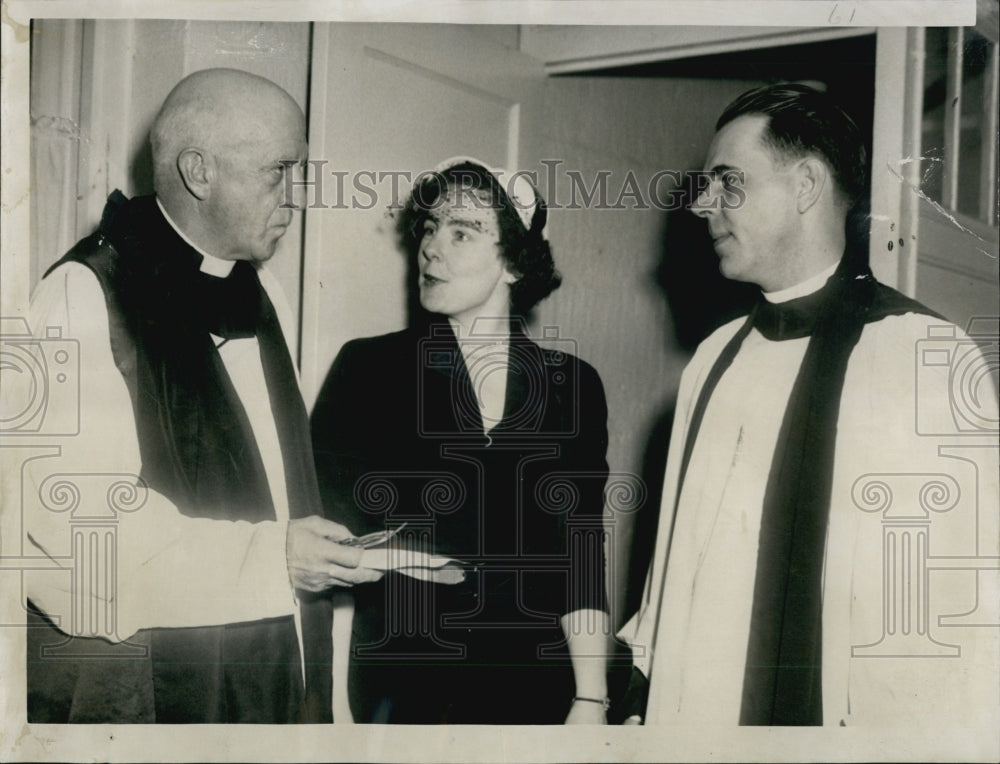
(492, 451)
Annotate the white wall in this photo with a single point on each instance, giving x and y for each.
(610, 303)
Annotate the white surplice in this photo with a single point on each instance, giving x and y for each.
(690, 634)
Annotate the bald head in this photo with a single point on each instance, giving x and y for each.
(217, 110)
(222, 145)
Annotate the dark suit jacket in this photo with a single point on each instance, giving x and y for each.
(398, 437)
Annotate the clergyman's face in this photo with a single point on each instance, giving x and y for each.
(756, 238)
(250, 211)
(462, 271)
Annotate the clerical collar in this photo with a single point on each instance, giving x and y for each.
(795, 312)
(225, 295)
(810, 285)
(210, 264)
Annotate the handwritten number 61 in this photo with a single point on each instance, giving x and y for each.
(837, 18)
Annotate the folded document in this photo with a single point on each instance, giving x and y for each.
(379, 554)
(421, 565)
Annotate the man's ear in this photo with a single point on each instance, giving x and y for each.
(197, 170)
(812, 176)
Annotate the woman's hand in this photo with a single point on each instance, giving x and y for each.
(586, 712)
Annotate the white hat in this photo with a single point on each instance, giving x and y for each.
(519, 189)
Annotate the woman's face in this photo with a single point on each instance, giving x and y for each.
(462, 271)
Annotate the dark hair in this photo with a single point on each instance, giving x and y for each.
(525, 251)
(803, 120)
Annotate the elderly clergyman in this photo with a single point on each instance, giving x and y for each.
(187, 389)
(809, 478)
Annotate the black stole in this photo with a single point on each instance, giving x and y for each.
(782, 682)
(237, 306)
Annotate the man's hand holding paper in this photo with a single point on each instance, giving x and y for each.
(381, 552)
(318, 558)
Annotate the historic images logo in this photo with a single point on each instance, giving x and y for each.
(956, 407)
(41, 381)
(569, 189)
(39, 416)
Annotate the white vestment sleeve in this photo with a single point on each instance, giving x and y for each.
(171, 570)
(639, 632)
(915, 520)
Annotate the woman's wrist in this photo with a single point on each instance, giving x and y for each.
(601, 700)
(591, 687)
